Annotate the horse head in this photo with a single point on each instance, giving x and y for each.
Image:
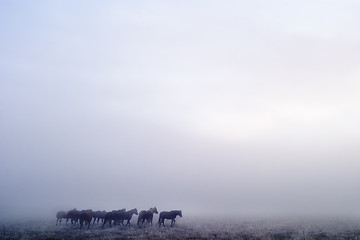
(153, 210)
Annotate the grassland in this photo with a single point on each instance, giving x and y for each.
(280, 229)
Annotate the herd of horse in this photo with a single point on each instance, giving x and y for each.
(116, 217)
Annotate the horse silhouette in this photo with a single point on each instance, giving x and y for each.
(127, 216)
(99, 215)
(59, 216)
(169, 215)
(114, 215)
(85, 216)
(146, 215)
(73, 215)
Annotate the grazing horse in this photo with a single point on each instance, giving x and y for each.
(114, 215)
(73, 215)
(99, 215)
(59, 216)
(127, 216)
(169, 215)
(146, 215)
(85, 216)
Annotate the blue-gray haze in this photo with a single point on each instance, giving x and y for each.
(213, 107)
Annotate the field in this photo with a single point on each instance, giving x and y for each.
(190, 229)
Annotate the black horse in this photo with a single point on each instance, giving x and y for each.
(114, 215)
(146, 215)
(169, 215)
(127, 216)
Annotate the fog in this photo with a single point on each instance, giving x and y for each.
(230, 108)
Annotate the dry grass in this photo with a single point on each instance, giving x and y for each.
(190, 229)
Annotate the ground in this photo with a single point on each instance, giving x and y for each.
(194, 228)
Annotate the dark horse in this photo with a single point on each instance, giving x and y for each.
(73, 215)
(127, 216)
(146, 215)
(99, 215)
(169, 215)
(114, 215)
(85, 216)
(59, 216)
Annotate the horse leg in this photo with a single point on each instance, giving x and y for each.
(150, 221)
(173, 223)
(162, 221)
(104, 223)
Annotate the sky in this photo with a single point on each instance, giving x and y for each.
(227, 108)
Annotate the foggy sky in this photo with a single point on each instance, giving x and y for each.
(224, 108)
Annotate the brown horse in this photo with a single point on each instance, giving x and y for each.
(146, 215)
(59, 216)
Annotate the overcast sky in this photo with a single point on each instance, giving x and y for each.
(212, 107)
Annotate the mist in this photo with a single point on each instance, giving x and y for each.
(226, 109)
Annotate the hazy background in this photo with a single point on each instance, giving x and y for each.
(212, 107)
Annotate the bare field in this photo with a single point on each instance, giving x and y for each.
(190, 229)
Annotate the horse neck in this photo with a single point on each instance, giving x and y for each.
(152, 210)
(175, 213)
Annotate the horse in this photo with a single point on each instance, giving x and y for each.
(73, 215)
(114, 215)
(127, 216)
(59, 216)
(169, 215)
(99, 215)
(146, 215)
(85, 216)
